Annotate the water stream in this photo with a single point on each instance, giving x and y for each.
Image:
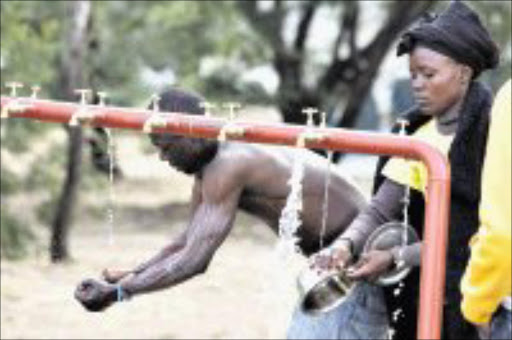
(325, 203)
(290, 219)
(111, 196)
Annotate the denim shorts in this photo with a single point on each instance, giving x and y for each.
(362, 315)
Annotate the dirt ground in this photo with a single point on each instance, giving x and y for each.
(245, 293)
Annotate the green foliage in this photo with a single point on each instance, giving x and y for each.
(163, 35)
(9, 182)
(14, 237)
(30, 35)
(48, 171)
(45, 211)
(19, 134)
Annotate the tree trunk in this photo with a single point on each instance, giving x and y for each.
(59, 250)
(72, 76)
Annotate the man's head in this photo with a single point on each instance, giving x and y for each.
(187, 154)
(446, 52)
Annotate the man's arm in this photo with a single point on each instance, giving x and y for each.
(115, 275)
(210, 224)
(207, 229)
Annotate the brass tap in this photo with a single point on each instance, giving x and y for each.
(83, 115)
(230, 129)
(207, 106)
(156, 120)
(15, 105)
(35, 90)
(14, 85)
(308, 135)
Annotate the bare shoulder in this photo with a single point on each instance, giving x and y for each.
(225, 174)
(248, 166)
(243, 158)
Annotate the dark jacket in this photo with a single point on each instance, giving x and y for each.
(466, 156)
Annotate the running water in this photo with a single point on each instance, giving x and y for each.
(325, 206)
(284, 264)
(405, 235)
(407, 194)
(290, 219)
(111, 196)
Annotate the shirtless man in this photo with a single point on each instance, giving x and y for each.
(227, 177)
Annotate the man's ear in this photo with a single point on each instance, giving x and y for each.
(466, 73)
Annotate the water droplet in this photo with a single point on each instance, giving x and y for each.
(391, 333)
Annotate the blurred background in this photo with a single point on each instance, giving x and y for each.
(274, 57)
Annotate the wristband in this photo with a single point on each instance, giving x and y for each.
(121, 294)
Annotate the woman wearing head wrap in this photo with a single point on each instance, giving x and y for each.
(446, 54)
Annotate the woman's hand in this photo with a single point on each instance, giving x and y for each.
(371, 265)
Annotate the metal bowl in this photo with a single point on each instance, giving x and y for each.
(322, 291)
(388, 236)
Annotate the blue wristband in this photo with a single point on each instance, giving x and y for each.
(121, 295)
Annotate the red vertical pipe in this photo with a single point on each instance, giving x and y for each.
(433, 258)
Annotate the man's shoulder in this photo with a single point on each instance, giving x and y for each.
(245, 155)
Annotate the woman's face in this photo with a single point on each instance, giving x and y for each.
(437, 81)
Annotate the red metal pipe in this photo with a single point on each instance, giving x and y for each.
(433, 259)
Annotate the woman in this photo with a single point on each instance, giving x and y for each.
(446, 54)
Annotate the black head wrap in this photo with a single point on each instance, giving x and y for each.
(457, 33)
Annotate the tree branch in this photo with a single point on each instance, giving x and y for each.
(302, 31)
(268, 25)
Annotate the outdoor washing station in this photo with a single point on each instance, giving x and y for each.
(433, 260)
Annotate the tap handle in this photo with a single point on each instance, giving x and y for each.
(14, 85)
(309, 111)
(84, 95)
(233, 109)
(207, 106)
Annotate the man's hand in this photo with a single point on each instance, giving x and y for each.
(371, 265)
(114, 275)
(335, 257)
(95, 296)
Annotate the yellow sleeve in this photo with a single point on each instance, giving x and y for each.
(406, 172)
(487, 279)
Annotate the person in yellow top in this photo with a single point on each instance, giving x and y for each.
(486, 285)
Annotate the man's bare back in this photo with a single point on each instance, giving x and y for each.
(228, 177)
(264, 175)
